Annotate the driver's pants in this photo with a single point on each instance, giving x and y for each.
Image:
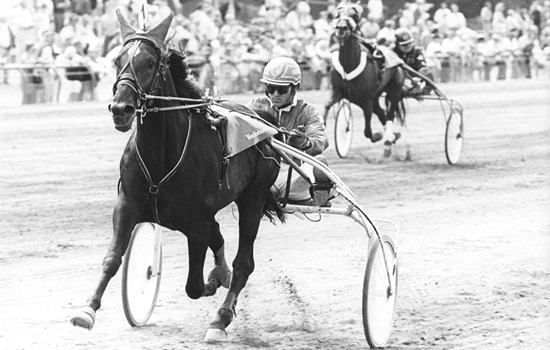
(299, 187)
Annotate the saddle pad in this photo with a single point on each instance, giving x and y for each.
(243, 131)
(390, 56)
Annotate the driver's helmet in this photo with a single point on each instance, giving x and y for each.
(282, 71)
(403, 36)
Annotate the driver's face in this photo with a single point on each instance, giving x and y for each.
(280, 96)
(406, 48)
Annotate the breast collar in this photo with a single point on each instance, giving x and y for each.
(354, 73)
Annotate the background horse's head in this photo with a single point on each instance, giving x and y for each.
(141, 65)
(343, 27)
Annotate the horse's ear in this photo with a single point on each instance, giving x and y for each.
(126, 28)
(161, 29)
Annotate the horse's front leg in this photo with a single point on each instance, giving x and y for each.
(250, 213)
(125, 217)
(220, 274)
(367, 108)
(197, 242)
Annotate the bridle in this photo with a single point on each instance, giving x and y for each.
(145, 98)
(345, 25)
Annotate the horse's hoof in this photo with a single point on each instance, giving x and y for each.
(221, 274)
(397, 136)
(387, 151)
(85, 318)
(377, 136)
(215, 335)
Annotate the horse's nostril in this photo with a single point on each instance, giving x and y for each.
(128, 109)
(109, 107)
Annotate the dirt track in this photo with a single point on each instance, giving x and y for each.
(474, 245)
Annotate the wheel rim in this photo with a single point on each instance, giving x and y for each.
(140, 286)
(454, 137)
(343, 129)
(379, 307)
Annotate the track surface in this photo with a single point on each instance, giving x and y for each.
(474, 245)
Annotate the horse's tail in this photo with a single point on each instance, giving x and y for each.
(272, 209)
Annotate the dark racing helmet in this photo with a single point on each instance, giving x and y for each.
(403, 36)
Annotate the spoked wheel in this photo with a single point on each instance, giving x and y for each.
(343, 128)
(380, 292)
(454, 135)
(140, 282)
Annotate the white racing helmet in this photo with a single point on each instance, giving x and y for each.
(282, 71)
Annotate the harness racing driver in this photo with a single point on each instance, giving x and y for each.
(282, 78)
(413, 56)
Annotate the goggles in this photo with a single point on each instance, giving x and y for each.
(281, 89)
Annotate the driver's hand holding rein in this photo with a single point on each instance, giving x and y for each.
(282, 78)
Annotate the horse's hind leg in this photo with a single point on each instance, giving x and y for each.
(124, 220)
(220, 274)
(250, 212)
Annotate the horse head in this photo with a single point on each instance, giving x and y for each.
(141, 65)
(343, 27)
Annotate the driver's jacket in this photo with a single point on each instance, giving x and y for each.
(414, 58)
(299, 115)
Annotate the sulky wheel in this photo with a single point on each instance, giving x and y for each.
(343, 128)
(140, 283)
(380, 291)
(454, 135)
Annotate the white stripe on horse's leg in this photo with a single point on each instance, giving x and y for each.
(389, 136)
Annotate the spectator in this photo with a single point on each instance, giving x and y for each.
(486, 16)
(7, 43)
(43, 18)
(440, 16)
(526, 44)
(59, 9)
(25, 28)
(499, 19)
(375, 11)
(514, 21)
(205, 28)
(108, 25)
(322, 26)
(369, 29)
(83, 69)
(536, 11)
(434, 55)
(300, 17)
(455, 20)
(386, 35)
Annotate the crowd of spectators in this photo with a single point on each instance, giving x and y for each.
(501, 43)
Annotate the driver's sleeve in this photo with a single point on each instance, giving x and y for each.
(314, 129)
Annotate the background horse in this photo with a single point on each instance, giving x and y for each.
(173, 172)
(356, 77)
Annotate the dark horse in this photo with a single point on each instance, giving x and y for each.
(357, 77)
(173, 172)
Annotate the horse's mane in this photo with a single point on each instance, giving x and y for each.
(184, 82)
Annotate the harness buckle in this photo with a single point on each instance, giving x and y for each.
(153, 189)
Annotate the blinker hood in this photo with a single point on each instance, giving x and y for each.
(155, 36)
